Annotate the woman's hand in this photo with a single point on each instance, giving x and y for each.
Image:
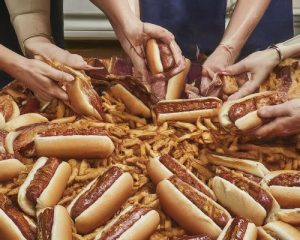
(41, 79)
(259, 64)
(285, 119)
(42, 46)
(133, 40)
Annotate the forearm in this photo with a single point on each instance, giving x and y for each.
(10, 62)
(30, 18)
(290, 48)
(246, 16)
(123, 14)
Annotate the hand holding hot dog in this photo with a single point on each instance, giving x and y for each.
(285, 119)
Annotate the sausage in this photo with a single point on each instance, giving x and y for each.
(166, 56)
(183, 106)
(253, 189)
(41, 179)
(213, 211)
(237, 229)
(182, 173)
(286, 180)
(102, 184)
(241, 109)
(198, 237)
(45, 223)
(17, 217)
(124, 223)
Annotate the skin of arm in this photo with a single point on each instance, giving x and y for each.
(246, 16)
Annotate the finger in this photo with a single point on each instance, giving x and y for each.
(274, 111)
(58, 92)
(173, 71)
(158, 32)
(179, 59)
(235, 69)
(42, 96)
(249, 87)
(75, 61)
(57, 75)
(274, 128)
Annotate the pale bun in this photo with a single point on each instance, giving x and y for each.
(62, 223)
(158, 172)
(184, 212)
(134, 105)
(240, 202)
(290, 216)
(176, 83)
(143, 228)
(105, 207)
(250, 234)
(10, 168)
(74, 146)
(287, 197)
(79, 101)
(245, 165)
(51, 194)
(4, 100)
(282, 230)
(244, 123)
(9, 141)
(187, 116)
(153, 57)
(24, 120)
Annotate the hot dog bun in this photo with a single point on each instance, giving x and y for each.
(280, 231)
(10, 168)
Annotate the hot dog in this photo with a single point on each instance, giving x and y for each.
(253, 170)
(243, 196)
(278, 230)
(241, 114)
(196, 237)
(13, 223)
(8, 109)
(134, 223)
(290, 216)
(53, 223)
(94, 205)
(135, 96)
(63, 141)
(239, 229)
(44, 185)
(186, 109)
(160, 168)
(191, 209)
(9, 167)
(285, 187)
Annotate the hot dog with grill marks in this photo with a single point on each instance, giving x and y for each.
(163, 167)
(8, 109)
(285, 187)
(63, 141)
(241, 114)
(242, 196)
(44, 185)
(134, 223)
(94, 205)
(191, 209)
(278, 230)
(53, 223)
(239, 229)
(13, 223)
(186, 109)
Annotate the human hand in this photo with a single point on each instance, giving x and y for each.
(221, 58)
(42, 46)
(259, 65)
(133, 40)
(285, 119)
(41, 79)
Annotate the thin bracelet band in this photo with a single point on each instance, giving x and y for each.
(273, 46)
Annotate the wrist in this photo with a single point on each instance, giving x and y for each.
(37, 45)
(230, 49)
(272, 56)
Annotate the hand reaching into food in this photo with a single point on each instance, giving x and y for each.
(285, 119)
(36, 75)
(259, 65)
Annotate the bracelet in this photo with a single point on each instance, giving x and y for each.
(273, 46)
(227, 48)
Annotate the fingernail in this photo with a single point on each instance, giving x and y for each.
(69, 78)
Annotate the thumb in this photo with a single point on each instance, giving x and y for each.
(236, 69)
(273, 111)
